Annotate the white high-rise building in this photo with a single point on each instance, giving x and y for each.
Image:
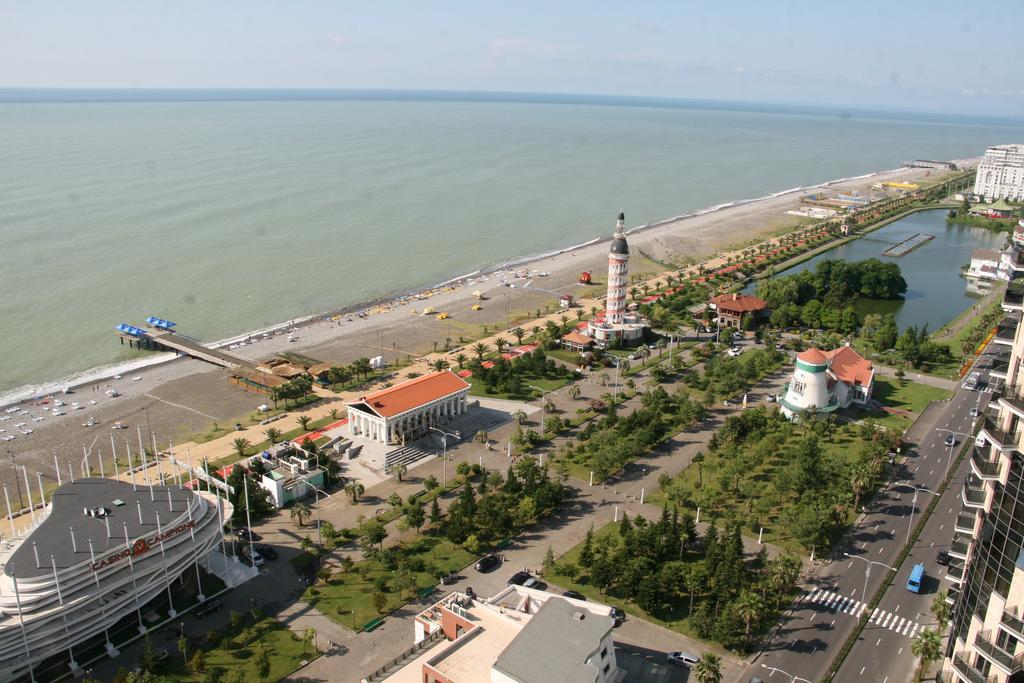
(1001, 173)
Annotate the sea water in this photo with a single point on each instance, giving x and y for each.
(230, 213)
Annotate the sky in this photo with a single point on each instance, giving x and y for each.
(918, 55)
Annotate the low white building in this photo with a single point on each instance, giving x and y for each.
(408, 410)
(1001, 173)
(826, 381)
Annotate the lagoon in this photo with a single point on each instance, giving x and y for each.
(936, 292)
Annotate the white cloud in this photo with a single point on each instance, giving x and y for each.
(338, 40)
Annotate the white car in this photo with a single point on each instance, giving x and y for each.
(735, 351)
(682, 659)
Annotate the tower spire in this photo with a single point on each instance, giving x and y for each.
(620, 225)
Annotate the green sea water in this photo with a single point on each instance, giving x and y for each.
(232, 215)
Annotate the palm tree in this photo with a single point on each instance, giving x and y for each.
(333, 413)
(708, 668)
(941, 610)
(273, 435)
(480, 349)
(519, 417)
(400, 470)
(362, 367)
(439, 365)
(500, 343)
(749, 608)
(927, 645)
(304, 421)
(860, 480)
(519, 333)
(355, 489)
(300, 513)
(564, 319)
(634, 292)
(574, 391)
(241, 446)
(461, 359)
(594, 310)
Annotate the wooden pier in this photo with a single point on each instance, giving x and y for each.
(163, 340)
(908, 245)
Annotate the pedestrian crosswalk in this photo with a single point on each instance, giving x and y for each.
(855, 608)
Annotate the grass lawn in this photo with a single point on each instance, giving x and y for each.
(478, 388)
(905, 395)
(348, 597)
(237, 650)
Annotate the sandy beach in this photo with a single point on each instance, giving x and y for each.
(182, 397)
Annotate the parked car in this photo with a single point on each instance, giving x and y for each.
(950, 440)
(245, 534)
(575, 595)
(942, 557)
(267, 552)
(975, 412)
(208, 608)
(252, 557)
(535, 583)
(735, 351)
(682, 659)
(770, 398)
(487, 563)
(519, 578)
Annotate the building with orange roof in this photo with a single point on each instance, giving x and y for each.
(406, 411)
(730, 309)
(825, 381)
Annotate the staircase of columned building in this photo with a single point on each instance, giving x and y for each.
(465, 425)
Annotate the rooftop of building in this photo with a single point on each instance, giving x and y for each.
(845, 363)
(736, 301)
(982, 254)
(555, 645)
(813, 356)
(412, 393)
(68, 506)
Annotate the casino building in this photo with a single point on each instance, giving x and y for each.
(102, 549)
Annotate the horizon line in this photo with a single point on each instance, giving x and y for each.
(521, 96)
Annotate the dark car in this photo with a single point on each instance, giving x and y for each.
(618, 616)
(574, 595)
(209, 607)
(244, 534)
(487, 563)
(518, 579)
(942, 558)
(267, 552)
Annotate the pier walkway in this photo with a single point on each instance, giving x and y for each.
(906, 246)
(167, 340)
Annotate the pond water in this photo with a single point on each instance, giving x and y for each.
(936, 292)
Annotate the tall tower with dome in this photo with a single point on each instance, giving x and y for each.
(616, 325)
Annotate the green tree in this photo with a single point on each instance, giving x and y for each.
(927, 645)
(415, 516)
(183, 648)
(198, 662)
(273, 435)
(708, 668)
(308, 638)
(354, 489)
(380, 601)
(749, 608)
(304, 421)
(435, 513)
(241, 446)
(300, 512)
(941, 610)
(400, 469)
(587, 549)
(261, 664)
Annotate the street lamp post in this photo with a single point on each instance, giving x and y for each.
(867, 573)
(17, 482)
(543, 394)
(444, 452)
(791, 677)
(913, 503)
(319, 539)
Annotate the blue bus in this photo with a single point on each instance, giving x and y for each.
(916, 578)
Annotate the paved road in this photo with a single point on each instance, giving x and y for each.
(882, 653)
(825, 613)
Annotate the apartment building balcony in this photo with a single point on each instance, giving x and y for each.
(965, 522)
(960, 546)
(968, 673)
(1006, 331)
(1013, 299)
(955, 572)
(1015, 258)
(952, 595)
(1006, 661)
(1009, 398)
(1012, 621)
(1000, 369)
(1003, 438)
(983, 466)
(973, 496)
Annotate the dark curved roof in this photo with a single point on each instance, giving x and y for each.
(53, 536)
(619, 246)
(622, 215)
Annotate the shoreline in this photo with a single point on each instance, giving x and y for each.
(34, 392)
